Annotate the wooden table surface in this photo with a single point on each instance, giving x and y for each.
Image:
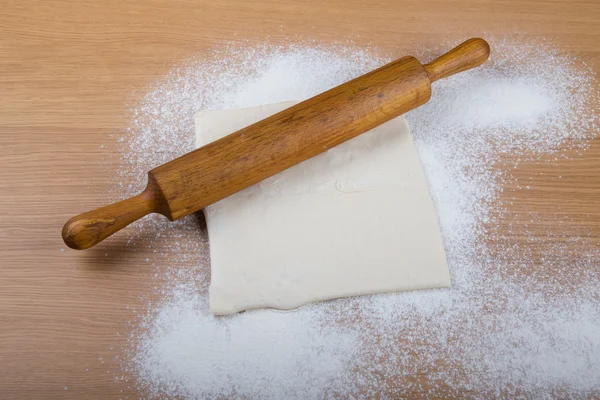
(67, 71)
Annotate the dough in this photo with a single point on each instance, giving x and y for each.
(357, 219)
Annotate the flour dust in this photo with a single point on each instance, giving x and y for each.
(502, 329)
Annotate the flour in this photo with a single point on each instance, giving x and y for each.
(275, 354)
(519, 320)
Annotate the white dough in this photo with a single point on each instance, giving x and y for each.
(357, 219)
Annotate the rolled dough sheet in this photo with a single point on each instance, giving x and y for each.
(357, 219)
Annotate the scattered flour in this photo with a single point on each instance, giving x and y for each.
(507, 327)
(258, 354)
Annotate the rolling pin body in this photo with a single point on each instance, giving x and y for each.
(243, 158)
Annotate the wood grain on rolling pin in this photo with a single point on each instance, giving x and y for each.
(243, 158)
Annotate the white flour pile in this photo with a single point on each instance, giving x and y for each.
(514, 323)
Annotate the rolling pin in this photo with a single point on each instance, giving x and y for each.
(212, 172)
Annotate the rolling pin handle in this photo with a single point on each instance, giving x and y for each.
(467, 55)
(88, 229)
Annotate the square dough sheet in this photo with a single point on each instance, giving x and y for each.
(357, 219)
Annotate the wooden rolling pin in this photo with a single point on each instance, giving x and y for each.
(234, 162)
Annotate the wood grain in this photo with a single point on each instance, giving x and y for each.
(69, 69)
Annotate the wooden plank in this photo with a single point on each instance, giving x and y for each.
(67, 71)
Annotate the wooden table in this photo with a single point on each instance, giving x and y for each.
(67, 70)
